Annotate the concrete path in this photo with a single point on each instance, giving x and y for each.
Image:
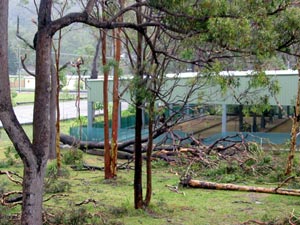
(68, 110)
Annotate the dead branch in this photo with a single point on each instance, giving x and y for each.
(22, 38)
(285, 181)
(23, 58)
(11, 202)
(175, 189)
(86, 202)
(254, 221)
(9, 175)
(54, 195)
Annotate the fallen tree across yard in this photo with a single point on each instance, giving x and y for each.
(233, 187)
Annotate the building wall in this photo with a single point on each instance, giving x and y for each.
(287, 80)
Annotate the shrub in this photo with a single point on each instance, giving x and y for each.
(72, 156)
(11, 157)
(54, 184)
(53, 173)
(74, 216)
(57, 186)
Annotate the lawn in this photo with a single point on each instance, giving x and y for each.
(111, 202)
(28, 97)
(85, 197)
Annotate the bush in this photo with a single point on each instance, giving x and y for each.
(73, 216)
(57, 186)
(72, 157)
(11, 156)
(53, 184)
(53, 173)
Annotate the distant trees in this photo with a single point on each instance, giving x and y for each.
(13, 65)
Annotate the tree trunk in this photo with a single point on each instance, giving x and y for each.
(149, 155)
(52, 151)
(295, 129)
(138, 190)
(34, 169)
(107, 160)
(33, 180)
(116, 102)
(35, 155)
(94, 72)
(234, 187)
(241, 118)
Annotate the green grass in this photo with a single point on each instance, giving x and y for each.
(24, 97)
(114, 200)
(28, 97)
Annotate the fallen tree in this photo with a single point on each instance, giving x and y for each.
(234, 187)
(224, 147)
(83, 145)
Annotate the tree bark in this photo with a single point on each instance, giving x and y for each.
(138, 190)
(35, 155)
(241, 118)
(107, 159)
(33, 181)
(116, 102)
(53, 139)
(295, 128)
(149, 154)
(94, 72)
(34, 169)
(233, 187)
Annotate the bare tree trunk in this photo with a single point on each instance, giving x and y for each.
(149, 154)
(53, 139)
(295, 129)
(33, 181)
(116, 102)
(57, 88)
(94, 71)
(107, 159)
(241, 118)
(34, 168)
(138, 190)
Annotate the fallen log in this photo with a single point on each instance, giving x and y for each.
(100, 152)
(234, 187)
(83, 145)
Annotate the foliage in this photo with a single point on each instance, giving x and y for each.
(73, 216)
(72, 156)
(14, 95)
(57, 186)
(12, 62)
(62, 78)
(66, 95)
(253, 96)
(256, 165)
(81, 121)
(55, 182)
(98, 106)
(52, 171)
(11, 157)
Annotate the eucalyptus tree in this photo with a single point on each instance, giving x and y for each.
(253, 30)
